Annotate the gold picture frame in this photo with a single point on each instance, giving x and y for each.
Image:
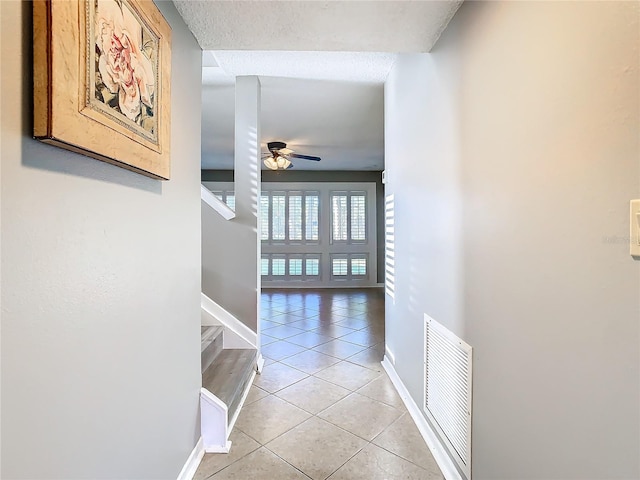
(102, 78)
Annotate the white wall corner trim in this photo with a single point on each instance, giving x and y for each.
(446, 464)
(191, 465)
(236, 333)
(215, 203)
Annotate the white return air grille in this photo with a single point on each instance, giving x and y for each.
(447, 399)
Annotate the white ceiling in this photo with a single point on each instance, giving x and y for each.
(328, 105)
(322, 80)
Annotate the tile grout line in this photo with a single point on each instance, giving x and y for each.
(365, 316)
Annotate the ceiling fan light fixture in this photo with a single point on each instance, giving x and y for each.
(271, 164)
(278, 156)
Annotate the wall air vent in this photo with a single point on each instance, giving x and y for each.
(447, 392)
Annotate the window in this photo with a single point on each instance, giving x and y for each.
(264, 217)
(264, 266)
(290, 267)
(231, 201)
(358, 218)
(313, 234)
(324, 231)
(348, 266)
(295, 266)
(358, 267)
(278, 266)
(339, 215)
(312, 266)
(226, 196)
(289, 217)
(349, 217)
(295, 217)
(278, 221)
(311, 203)
(339, 266)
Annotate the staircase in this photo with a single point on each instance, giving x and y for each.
(227, 374)
(229, 355)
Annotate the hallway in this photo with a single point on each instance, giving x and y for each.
(323, 406)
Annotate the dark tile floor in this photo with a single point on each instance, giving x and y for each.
(323, 406)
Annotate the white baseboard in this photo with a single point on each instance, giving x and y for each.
(446, 464)
(223, 449)
(389, 355)
(236, 334)
(190, 467)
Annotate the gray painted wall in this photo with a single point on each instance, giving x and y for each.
(513, 151)
(100, 290)
(323, 176)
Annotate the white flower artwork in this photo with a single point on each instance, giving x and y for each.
(125, 53)
(102, 81)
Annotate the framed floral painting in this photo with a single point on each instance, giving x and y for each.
(102, 73)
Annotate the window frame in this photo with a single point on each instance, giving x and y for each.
(323, 247)
(287, 194)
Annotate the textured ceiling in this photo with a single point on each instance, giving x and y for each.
(322, 66)
(349, 26)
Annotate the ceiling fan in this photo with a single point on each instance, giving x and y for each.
(279, 156)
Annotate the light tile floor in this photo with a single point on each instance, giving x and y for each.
(323, 406)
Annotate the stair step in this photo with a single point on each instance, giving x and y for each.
(228, 375)
(211, 345)
(208, 334)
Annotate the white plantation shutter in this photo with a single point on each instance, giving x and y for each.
(314, 234)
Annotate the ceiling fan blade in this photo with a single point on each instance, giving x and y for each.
(305, 157)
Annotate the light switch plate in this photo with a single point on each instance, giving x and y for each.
(634, 228)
